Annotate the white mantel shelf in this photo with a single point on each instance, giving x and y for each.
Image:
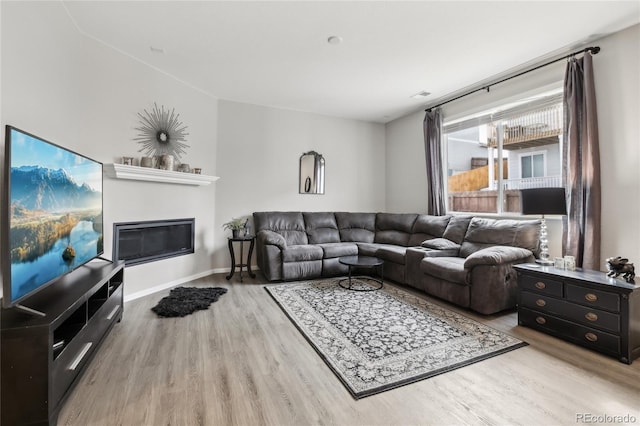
(121, 171)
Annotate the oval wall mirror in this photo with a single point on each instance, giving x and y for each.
(311, 173)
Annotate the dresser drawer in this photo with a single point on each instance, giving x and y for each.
(543, 303)
(595, 298)
(585, 336)
(541, 285)
(593, 318)
(590, 317)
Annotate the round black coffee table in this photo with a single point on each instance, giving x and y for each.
(369, 262)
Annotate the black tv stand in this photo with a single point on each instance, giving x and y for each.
(44, 357)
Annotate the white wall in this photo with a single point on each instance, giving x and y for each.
(406, 184)
(617, 73)
(258, 157)
(78, 93)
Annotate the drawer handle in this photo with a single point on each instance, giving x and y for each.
(540, 285)
(590, 297)
(78, 359)
(591, 337)
(541, 320)
(540, 302)
(591, 316)
(113, 312)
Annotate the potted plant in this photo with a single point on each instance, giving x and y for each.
(235, 224)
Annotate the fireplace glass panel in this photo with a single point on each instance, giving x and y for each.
(142, 242)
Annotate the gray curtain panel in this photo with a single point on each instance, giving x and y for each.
(432, 126)
(581, 157)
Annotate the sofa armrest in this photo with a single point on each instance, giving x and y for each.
(266, 237)
(497, 255)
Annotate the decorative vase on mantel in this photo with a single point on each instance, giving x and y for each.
(165, 162)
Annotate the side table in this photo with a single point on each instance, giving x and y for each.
(251, 239)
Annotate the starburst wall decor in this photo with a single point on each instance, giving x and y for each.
(161, 132)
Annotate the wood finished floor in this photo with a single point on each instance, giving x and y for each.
(243, 362)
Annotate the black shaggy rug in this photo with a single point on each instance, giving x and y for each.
(183, 301)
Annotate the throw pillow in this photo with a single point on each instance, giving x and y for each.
(440, 244)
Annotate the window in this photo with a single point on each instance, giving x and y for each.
(491, 156)
(532, 165)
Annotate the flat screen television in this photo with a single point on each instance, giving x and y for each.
(52, 214)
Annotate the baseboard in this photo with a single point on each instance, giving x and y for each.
(170, 284)
(161, 287)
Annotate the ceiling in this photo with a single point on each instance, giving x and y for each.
(276, 53)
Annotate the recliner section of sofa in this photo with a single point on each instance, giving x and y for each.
(283, 251)
(481, 276)
(465, 260)
(448, 244)
(323, 230)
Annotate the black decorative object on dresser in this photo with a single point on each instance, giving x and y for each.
(583, 307)
(44, 357)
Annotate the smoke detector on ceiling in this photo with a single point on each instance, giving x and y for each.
(334, 40)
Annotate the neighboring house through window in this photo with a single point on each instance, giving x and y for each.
(492, 155)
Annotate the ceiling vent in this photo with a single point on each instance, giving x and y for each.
(420, 95)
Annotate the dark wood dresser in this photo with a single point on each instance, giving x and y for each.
(583, 307)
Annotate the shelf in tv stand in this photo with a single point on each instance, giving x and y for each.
(43, 357)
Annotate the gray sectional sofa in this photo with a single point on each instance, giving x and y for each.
(462, 259)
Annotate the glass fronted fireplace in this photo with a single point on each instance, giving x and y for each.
(149, 241)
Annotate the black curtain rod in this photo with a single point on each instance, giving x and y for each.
(594, 51)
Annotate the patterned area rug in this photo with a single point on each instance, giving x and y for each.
(378, 340)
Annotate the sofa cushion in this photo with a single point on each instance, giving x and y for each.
(301, 270)
(368, 249)
(332, 250)
(484, 232)
(288, 224)
(440, 244)
(321, 227)
(496, 255)
(373, 249)
(392, 228)
(446, 268)
(302, 253)
(395, 254)
(426, 227)
(457, 228)
(358, 227)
